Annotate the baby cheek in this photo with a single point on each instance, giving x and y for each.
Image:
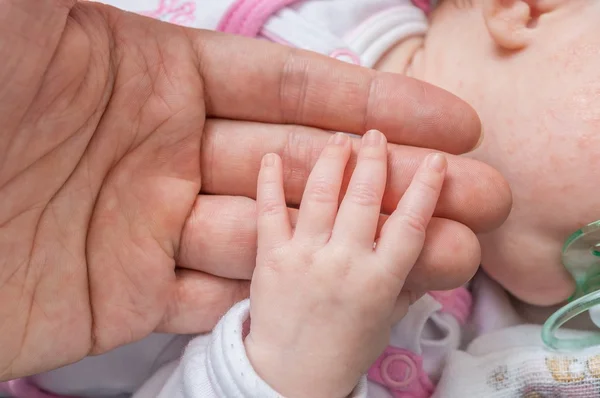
(570, 189)
(526, 262)
(524, 255)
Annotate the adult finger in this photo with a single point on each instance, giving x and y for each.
(403, 302)
(278, 84)
(474, 194)
(255, 80)
(450, 257)
(220, 237)
(199, 300)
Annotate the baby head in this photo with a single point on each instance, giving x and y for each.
(531, 68)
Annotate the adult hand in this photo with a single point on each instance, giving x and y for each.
(113, 123)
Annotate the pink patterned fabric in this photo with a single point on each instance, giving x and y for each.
(424, 5)
(346, 55)
(180, 12)
(401, 372)
(21, 388)
(457, 302)
(247, 17)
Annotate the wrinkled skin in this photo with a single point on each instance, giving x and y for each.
(112, 124)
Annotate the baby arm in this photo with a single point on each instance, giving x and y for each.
(323, 297)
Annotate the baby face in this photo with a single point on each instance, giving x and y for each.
(532, 71)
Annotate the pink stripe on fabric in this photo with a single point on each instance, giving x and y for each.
(179, 12)
(21, 388)
(341, 53)
(424, 5)
(457, 302)
(351, 35)
(247, 17)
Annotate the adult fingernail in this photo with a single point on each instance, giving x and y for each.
(269, 159)
(372, 138)
(481, 136)
(437, 162)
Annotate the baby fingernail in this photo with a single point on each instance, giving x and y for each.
(372, 138)
(269, 160)
(338, 139)
(436, 161)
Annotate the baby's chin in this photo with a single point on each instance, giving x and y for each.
(530, 272)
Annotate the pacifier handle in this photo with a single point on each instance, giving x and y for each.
(565, 314)
(581, 257)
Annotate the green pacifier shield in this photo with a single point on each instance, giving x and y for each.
(581, 257)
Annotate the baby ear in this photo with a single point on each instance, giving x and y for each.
(512, 23)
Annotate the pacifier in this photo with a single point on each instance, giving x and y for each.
(581, 257)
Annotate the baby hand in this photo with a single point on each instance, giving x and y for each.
(324, 297)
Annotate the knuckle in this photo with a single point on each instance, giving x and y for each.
(341, 262)
(270, 206)
(322, 191)
(364, 193)
(374, 86)
(428, 185)
(274, 257)
(342, 253)
(299, 153)
(414, 223)
(293, 87)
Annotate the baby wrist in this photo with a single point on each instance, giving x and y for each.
(294, 378)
